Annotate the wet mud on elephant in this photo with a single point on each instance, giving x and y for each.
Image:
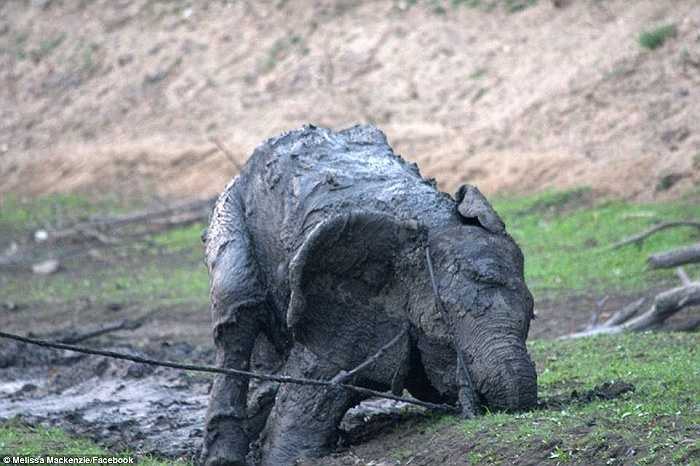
(317, 258)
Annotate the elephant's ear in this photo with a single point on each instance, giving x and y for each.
(472, 205)
(350, 283)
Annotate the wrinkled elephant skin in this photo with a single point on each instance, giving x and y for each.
(319, 247)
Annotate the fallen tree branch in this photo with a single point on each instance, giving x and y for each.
(624, 314)
(675, 257)
(103, 230)
(664, 306)
(683, 277)
(196, 211)
(232, 372)
(640, 237)
(76, 337)
(596, 314)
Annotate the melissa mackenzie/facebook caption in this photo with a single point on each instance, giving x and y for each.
(8, 459)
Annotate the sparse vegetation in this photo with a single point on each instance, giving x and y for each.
(666, 182)
(280, 49)
(46, 47)
(564, 235)
(478, 73)
(20, 439)
(655, 424)
(565, 240)
(655, 38)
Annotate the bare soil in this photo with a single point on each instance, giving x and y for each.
(127, 95)
(159, 411)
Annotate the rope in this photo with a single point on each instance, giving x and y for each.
(465, 383)
(232, 372)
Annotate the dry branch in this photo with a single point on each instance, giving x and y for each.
(596, 315)
(675, 257)
(73, 337)
(664, 306)
(640, 237)
(196, 211)
(683, 277)
(105, 231)
(624, 314)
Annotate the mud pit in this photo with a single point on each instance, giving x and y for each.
(150, 410)
(119, 404)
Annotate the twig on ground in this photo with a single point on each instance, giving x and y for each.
(77, 337)
(640, 237)
(105, 231)
(195, 209)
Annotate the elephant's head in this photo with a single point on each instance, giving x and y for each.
(359, 275)
(479, 275)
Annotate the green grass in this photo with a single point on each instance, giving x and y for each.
(660, 420)
(181, 238)
(22, 215)
(565, 238)
(19, 439)
(179, 282)
(655, 38)
(166, 268)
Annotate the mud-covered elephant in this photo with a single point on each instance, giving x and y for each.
(320, 245)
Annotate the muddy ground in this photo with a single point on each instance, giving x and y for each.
(159, 411)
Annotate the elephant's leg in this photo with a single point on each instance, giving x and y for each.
(304, 421)
(238, 310)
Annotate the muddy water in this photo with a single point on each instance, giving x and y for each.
(120, 404)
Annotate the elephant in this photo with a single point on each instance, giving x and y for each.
(324, 244)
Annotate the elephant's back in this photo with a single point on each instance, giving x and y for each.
(304, 176)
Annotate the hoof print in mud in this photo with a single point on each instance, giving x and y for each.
(321, 247)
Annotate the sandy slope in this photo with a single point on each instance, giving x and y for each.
(127, 94)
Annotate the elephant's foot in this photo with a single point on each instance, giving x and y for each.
(304, 420)
(225, 444)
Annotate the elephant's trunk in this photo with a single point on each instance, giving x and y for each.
(502, 372)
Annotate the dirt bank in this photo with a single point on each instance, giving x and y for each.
(126, 95)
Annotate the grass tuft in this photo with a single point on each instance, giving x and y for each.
(655, 38)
